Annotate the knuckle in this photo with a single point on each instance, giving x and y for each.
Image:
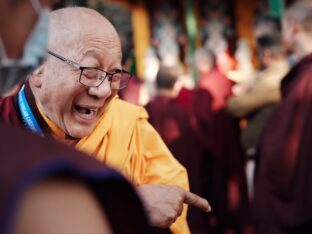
(172, 215)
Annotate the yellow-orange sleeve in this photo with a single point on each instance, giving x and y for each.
(161, 167)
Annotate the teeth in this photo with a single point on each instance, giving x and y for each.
(85, 111)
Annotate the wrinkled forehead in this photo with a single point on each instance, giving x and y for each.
(104, 49)
(94, 38)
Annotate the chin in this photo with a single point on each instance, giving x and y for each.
(80, 132)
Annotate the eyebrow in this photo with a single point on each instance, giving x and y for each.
(98, 57)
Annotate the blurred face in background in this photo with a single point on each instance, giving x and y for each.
(203, 65)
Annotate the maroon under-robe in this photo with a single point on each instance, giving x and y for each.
(283, 182)
(10, 113)
(132, 92)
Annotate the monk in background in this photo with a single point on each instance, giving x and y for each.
(283, 168)
(173, 121)
(220, 133)
(212, 79)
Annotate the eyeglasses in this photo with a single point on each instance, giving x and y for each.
(94, 77)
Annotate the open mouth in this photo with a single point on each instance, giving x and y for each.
(85, 112)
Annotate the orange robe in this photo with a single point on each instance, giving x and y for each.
(124, 140)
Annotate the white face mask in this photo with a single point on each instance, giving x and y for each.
(35, 51)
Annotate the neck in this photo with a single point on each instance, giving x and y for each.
(68, 140)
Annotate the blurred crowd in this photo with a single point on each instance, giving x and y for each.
(235, 115)
(214, 125)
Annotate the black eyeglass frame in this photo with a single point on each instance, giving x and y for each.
(81, 68)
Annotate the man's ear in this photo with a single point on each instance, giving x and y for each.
(37, 76)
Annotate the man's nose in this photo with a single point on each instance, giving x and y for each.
(102, 91)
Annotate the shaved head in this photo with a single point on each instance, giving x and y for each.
(70, 28)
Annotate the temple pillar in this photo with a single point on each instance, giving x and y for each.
(141, 35)
(244, 16)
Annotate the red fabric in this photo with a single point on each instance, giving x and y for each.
(218, 132)
(219, 86)
(8, 111)
(283, 185)
(132, 92)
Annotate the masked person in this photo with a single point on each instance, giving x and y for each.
(43, 181)
(72, 97)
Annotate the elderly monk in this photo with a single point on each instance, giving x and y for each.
(41, 180)
(72, 97)
(283, 185)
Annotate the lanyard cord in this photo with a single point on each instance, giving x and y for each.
(27, 115)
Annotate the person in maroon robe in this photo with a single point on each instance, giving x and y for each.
(211, 79)
(172, 122)
(220, 132)
(283, 171)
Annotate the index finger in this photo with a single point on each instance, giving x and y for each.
(196, 201)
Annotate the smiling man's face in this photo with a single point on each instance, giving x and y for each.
(72, 106)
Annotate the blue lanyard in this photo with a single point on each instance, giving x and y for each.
(27, 114)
